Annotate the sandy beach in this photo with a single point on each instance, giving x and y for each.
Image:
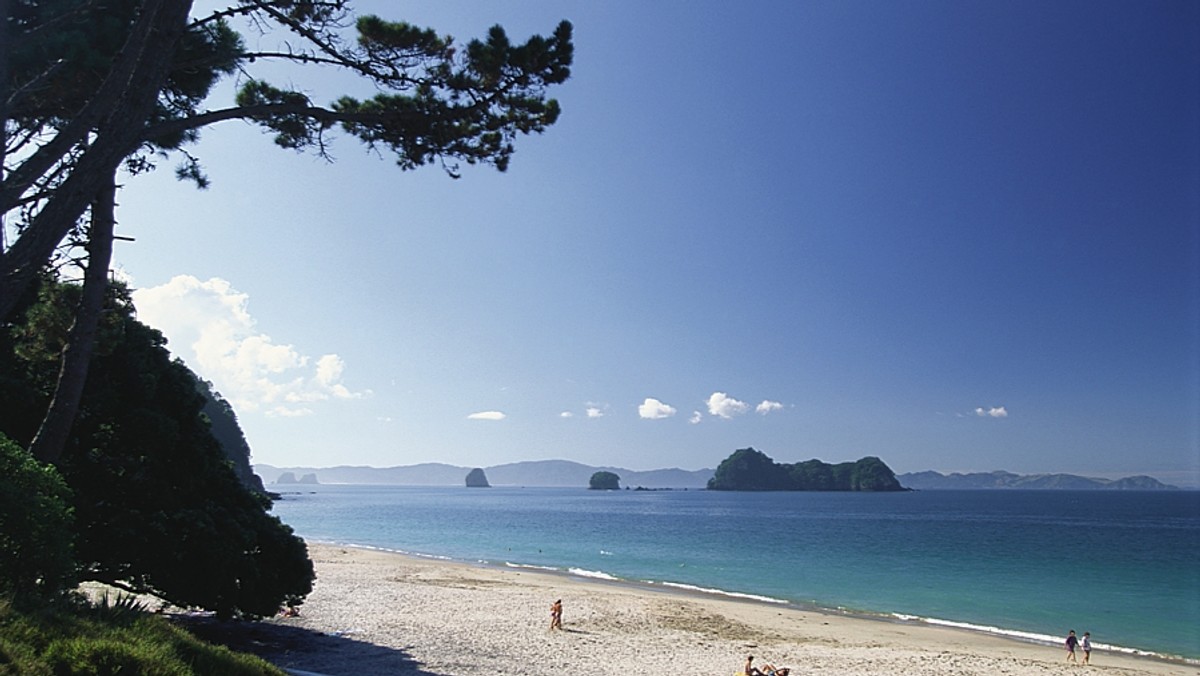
(375, 612)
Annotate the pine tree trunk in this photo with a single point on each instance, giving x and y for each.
(51, 438)
(5, 59)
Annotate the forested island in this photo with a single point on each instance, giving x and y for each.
(604, 481)
(750, 470)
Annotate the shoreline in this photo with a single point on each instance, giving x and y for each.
(377, 610)
(666, 587)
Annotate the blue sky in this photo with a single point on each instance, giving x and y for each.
(956, 235)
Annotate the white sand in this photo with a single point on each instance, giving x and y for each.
(387, 613)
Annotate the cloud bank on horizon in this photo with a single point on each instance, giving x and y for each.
(208, 325)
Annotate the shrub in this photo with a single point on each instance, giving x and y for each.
(35, 528)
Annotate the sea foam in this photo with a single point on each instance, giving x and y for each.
(721, 592)
(1032, 637)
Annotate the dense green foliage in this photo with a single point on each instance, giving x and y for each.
(750, 470)
(64, 45)
(112, 639)
(604, 481)
(35, 528)
(157, 506)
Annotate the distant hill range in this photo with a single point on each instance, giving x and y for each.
(565, 473)
(549, 473)
(931, 481)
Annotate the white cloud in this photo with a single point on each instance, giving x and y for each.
(594, 412)
(487, 415)
(288, 412)
(994, 412)
(566, 414)
(697, 416)
(653, 409)
(767, 406)
(724, 406)
(209, 326)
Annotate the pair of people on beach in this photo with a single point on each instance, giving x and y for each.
(1085, 645)
(767, 669)
(556, 614)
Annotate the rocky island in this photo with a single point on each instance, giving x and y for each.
(477, 479)
(290, 478)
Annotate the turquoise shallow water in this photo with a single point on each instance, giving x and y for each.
(1123, 565)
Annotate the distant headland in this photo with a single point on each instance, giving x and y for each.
(932, 481)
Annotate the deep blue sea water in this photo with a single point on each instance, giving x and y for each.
(1123, 565)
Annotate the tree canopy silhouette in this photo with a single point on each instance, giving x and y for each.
(89, 88)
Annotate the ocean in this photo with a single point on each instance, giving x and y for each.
(1029, 564)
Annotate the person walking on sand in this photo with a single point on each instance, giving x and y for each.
(556, 614)
(1086, 646)
(1071, 643)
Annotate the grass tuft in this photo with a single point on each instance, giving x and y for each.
(108, 639)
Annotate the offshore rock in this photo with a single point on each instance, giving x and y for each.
(477, 479)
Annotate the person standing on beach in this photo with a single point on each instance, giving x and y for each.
(556, 614)
(1086, 645)
(1071, 643)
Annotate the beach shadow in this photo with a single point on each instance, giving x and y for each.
(292, 647)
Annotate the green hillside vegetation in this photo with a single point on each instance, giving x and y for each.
(155, 504)
(750, 470)
(225, 428)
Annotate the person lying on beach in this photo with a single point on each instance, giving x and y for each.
(767, 669)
